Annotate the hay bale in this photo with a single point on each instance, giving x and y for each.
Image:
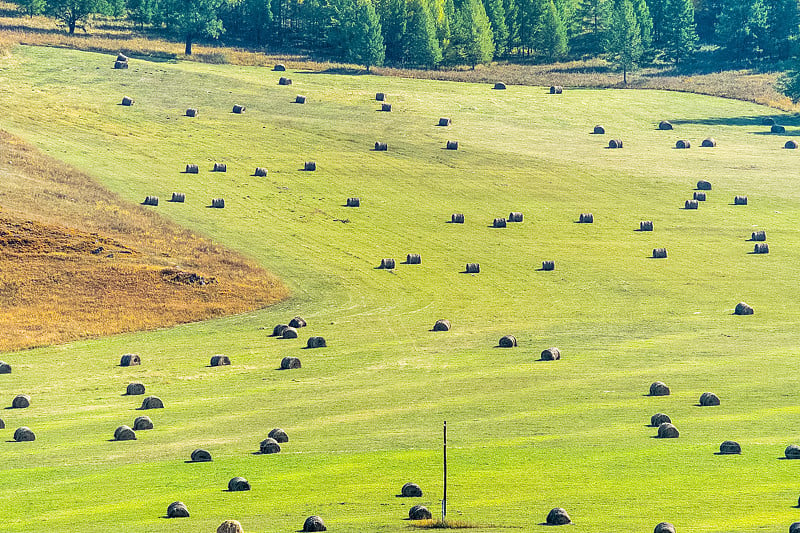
(452, 145)
(178, 197)
(316, 342)
(127, 101)
(297, 322)
(556, 89)
(288, 363)
(192, 169)
(386, 107)
(777, 129)
(457, 218)
(21, 401)
(646, 225)
(135, 389)
(792, 451)
(710, 142)
(381, 146)
(703, 185)
(201, 456)
(442, 325)
(761, 248)
(659, 388)
(740, 200)
(730, 447)
(755, 236)
(279, 435)
(310, 166)
(284, 81)
(659, 253)
(289, 333)
(551, 354)
(5, 368)
(191, 112)
(277, 331)
(690, 204)
(700, 196)
(413, 259)
(411, 490)
(445, 121)
(586, 218)
(230, 526)
(177, 510)
(380, 97)
(150, 200)
(473, 268)
(314, 523)
(24, 434)
(658, 419)
(130, 359)
(507, 341)
(665, 125)
(152, 402)
(279, 67)
(767, 121)
(743, 309)
(120, 65)
(515, 216)
(218, 203)
(499, 223)
(269, 445)
(387, 263)
(238, 109)
(795, 526)
(238, 484)
(682, 144)
(142, 423)
(124, 433)
(599, 130)
(121, 57)
(353, 202)
(260, 172)
(499, 86)
(668, 431)
(419, 512)
(790, 145)
(299, 99)
(220, 360)
(664, 527)
(708, 399)
(2, 424)
(558, 517)
(220, 167)
(548, 265)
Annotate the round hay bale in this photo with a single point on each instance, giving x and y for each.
(683, 144)
(548, 265)
(690, 204)
(599, 130)
(150, 200)
(130, 359)
(743, 309)
(795, 527)
(665, 125)
(646, 225)
(414, 259)
(178, 197)
(777, 129)
(556, 89)
(135, 389)
(499, 223)
(659, 253)
(457, 218)
(792, 451)
(277, 331)
(279, 435)
(177, 510)
(24, 434)
(667, 431)
(284, 81)
(192, 169)
(709, 143)
(121, 57)
(586, 218)
(218, 203)
(381, 146)
(220, 360)
(445, 121)
(473, 268)
(419, 512)
(664, 527)
(201, 456)
(310, 166)
(269, 445)
(767, 121)
(152, 402)
(279, 67)
(761, 248)
(507, 341)
(230, 526)
(297, 322)
(386, 107)
(387, 263)
(120, 65)
(220, 167)
(380, 97)
(316, 342)
(790, 145)
(5, 368)
(558, 517)
(288, 363)
(127, 101)
(2, 424)
(730, 447)
(353, 202)
(615, 143)
(658, 419)
(659, 388)
(299, 99)
(515, 216)
(551, 354)
(499, 86)
(708, 399)
(124, 433)
(142, 423)
(191, 112)
(703, 185)
(442, 325)
(21, 401)
(289, 333)
(260, 172)
(452, 145)
(740, 200)
(700, 196)
(238, 484)
(314, 523)
(755, 236)
(411, 490)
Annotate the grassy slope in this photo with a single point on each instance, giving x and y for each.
(364, 415)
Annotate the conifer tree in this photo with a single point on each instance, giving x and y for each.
(420, 46)
(497, 18)
(680, 38)
(473, 34)
(550, 34)
(624, 43)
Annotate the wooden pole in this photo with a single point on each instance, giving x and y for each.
(444, 495)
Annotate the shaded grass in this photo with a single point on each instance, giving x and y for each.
(438, 523)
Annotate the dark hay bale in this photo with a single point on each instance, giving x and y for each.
(288, 363)
(599, 130)
(755, 236)
(767, 121)
(220, 167)
(177, 510)
(730, 447)
(515, 216)
(284, 81)
(279, 435)
(279, 67)
(310, 166)
(299, 99)
(387, 263)
(150, 200)
(558, 517)
(218, 203)
(411, 490)
(142, 423)
(660, 253)
(704, 185)
(681, 144)
(124, 433)
(316, 342)
(664, 527)
(178, 197)
(289, 333)
(260, 172)
(709, 143)
(135, 389)
(220, 360)
(354, 202)
(792, 451)
(452, 145)
(21, 401)
(457, 218)
(699, 196)
(499, 86)
(277, 331)
(690, 204)
(413, 259)
(2, 424)
(658, 419)
(127, 101)
(761, 248)
(152, 402)
(191, 112)
(121, 57)
(380, 97)
(548, 265)
(740, 200)
(24, 434)
(795, 526)
(507, 341)
(381, 146)
(130, 359)
(615, 143)
(386, 107)
(120, 65)
(201, 456)
(238, 484)
(473, 268)
(5, 368)
(665, 125)
(646, 225)
(269, 445)
(667, 431)
(743, 309)
(238, 109)
(708, 399)
(777, 129)
(445, 121)
(790, 145)
(419, 512)
(499, 223)
(442, 325)
(314, 523)
(586, 218)
(551, 354)
(659, 388)
(192, 169)
(230, 526)
(556, 89)
(297, 322)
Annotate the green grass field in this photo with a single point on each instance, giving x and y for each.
(364, 415)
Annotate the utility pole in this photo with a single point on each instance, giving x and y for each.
(444, 496)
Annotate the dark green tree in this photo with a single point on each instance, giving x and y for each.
(143, 12)
(550, 35)
(742, 29)
(706, 14)
(472, 36)
(192, 19)
(257, 19)
(74, 12)
(393, 16)
(594, 16)
(624, 44)
(680, 39)
(568, 13)
(32, 7)
(420, 46)
(512, 23)
(497, 18)
(783, 24)
(365, 46)
(645, 22)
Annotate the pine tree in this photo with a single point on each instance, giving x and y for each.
(656, 9)
(472, 38)
(706, 15)
(550, 36)
(568, 13)
(529, 16)
(393, 15)
(497, 18)
(783, 22)
(192, 19)
(512, 22)
(594, 15)
(645, 22)
(420, 46)
(624, 43)
(257, 19)
(367, 47)
(680, 38)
